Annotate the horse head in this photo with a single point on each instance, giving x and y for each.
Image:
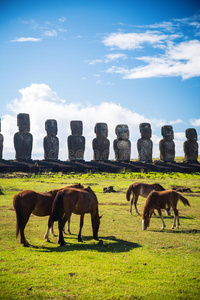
(145, 221)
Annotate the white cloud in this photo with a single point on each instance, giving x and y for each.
(195, 122)
(62, 20)
(173, 45)
(42, 103)
(131, 41)
(108, 58)
(26, 39)
(182, 60)
(178, 121)
(179, 136)
(50, 33)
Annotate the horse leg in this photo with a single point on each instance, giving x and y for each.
(160, 214)
(135, 203)
(69, 221)
(176, 218)
(49, 227)
(131, 204)
(24, 221)
(23, 239)
(168, 211)
(81, 226)
(61, 224)
(52, 231)
(46, 236)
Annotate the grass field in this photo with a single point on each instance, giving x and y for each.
(128, 264)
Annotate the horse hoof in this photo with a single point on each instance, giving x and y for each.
(80, 240)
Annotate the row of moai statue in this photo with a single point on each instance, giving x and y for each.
(23, 142)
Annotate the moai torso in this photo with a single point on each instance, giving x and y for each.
(23, 140)
(101, 144)
(1, 142)
(190, 146)
(76, 142)
(145, 145)
(122, 145)
(51, 142)
(166, 145)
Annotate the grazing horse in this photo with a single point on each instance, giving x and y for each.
(162, 200)
(79, 202)
(30, 202)
(141, 189)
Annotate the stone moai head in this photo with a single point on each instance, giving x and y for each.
(191, 134)
(122, 132)
(145, 130)
(23, 122)
(101, 130)
(51, 127)
(76, 127)
(167, 132)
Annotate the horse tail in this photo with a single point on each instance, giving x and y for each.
(17, 207)
(184, 200)
(128, 192)
(57, 206)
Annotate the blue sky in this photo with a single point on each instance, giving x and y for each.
(99, 61)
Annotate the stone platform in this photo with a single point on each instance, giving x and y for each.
(41, 166)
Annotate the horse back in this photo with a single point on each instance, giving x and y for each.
(44, 204)
(142, 189)
(25, 201)
(79, 201)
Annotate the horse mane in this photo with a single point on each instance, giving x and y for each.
(160, 186)
(128, 192)
(147, 205)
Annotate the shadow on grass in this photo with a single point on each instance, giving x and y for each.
(178, 231)
(172, 217)
(105, 244)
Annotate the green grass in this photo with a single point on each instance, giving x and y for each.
(130, 264)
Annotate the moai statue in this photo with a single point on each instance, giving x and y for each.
(145, 144)
(76, 142)
(1, 142)
(190, 146)
(166, 145)
(23, 140)
(51, 142)
(122, 145)
(101, 144)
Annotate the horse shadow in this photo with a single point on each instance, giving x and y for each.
(178, 231)
(107, 244)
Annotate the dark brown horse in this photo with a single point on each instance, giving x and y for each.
(141, 189)
(30, 202)
(77, 201)
(162, 200)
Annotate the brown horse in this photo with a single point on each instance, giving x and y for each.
(30, 202)
(141, 189)
(162, 200)
(77, 201)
